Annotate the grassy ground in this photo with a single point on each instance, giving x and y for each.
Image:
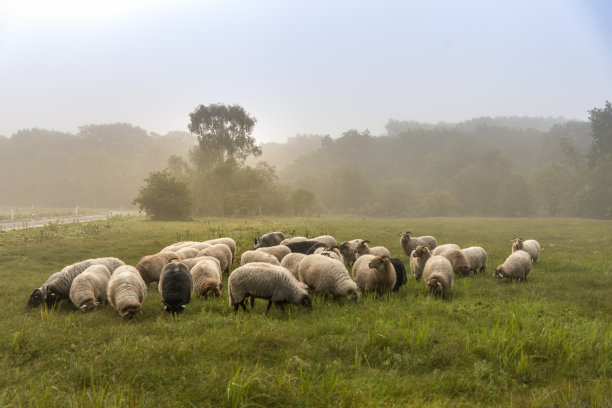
(545, 342)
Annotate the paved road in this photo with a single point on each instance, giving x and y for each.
(39, 222)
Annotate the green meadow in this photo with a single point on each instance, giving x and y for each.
(546, 342)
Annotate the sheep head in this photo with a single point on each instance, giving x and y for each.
(405, 236)
(379, 263)
(517, 243)
(421, 252)
(361, 248)
(36, 298)
(129, 310)
(306, 301)
(89, 304)
(353, 294)
(499, 272)
(435, 286)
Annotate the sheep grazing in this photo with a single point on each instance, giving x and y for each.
(206, 275)
(150, 266)
(258, 256)
(265, 281)
(126, 291)
(438, 275)
(363, 249)
(327, 240)
(531, 246)
(220, 251)
(400, 273)
(418, 259)
(294, 239)
(409, 244)
(347, 249)
(175, 287)
(460, 263)
(442, 249)
(516, 266)
(374, 273)
(59, 287)
(38, 295)
(292, 262)
(227, 241)
(279, 251)
(187, 252)
(333, 252)
(326, 275)
(477, 257)
(303, 247)
(269, 239)
(88, 289)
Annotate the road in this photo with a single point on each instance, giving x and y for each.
(6, 225)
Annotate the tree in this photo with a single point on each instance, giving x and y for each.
(302, 201)
(224, 133)
(601, 131)
(164, 197)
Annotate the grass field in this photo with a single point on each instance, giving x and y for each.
(544, 342)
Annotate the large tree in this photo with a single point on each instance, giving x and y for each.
(224, 134)
(601, 131)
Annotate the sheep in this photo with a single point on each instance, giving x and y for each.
(347, 249)
(327, 240)
(328, 276)
(59, 287)
(531, 246)
(460, 263)
(178, 245)
(200, 245)
(442, 249)
(88, 289)
(516, 266)
(409, 244)
(126, 291)
(187, 252)
(363, 249)
(279, 251)
(265, 281)
(294, 239)
(191, 262)
(304, 246)
(400, 273)
(38, 295)
(269, 239)
(374, 272)
(150, 266)
(220, 251)
(227, 241)
(175, 287)
(438, 275)
(206, 275)
(292, 262)
(333, 252)
(418, 259)
(477, 257)
(258, 256)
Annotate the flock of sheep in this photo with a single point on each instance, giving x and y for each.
(279, 270)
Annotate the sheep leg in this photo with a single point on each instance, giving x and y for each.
(243, 306)
(252, 302)
(269, 306)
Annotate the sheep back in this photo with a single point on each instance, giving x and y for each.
(231, 244)
(257, 256)
(438, 275)
(126, 291)
(409, 243)
(279, 251)
(187, 252)
(442, 249)
(150, 266)
(328, 240)
(222, 252)
(460, 263)
(327, 276)
(88, 289)
(477, 257)
(292, 262)
(531, 246)
(294, 239)
(269, 239)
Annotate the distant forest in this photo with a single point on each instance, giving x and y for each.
(510, 167)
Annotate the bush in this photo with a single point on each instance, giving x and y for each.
(164, 197)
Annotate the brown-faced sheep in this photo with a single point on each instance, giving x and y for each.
(409, 244)
(531, 246)
(258, 256)
(374, 273)
(279, 251)
(150, 266)
(88, 289)
(516, 266)
(347, 249)
(438, 275)
(477, 257)
(265, 281)
(363, 249)
(418, 259)
(325, 275)
(442, 249)
(126, 291)
(460, 263)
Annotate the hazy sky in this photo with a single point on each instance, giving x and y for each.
(311, 66)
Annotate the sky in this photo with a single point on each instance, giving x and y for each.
(299, 67)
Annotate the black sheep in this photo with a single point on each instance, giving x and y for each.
(269, 239)
(303, 247)
(175, 287)
(400, 271)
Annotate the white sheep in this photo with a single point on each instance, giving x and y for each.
(178, 245)
(363, 249)
(258, 256)
(150, 266)
(279, 251)
(531, 246)
(227, 241)
(325, 275)
(374, 272)
(126, 291)
(220, 251)
(418, 259)
(191, 262)
(206, 275)
(443, 249)
(409, 243)
(88, 289)
(333, 252)
(200, 245)
(292, 262)
(265, 281)
(327, 240)
(294, 239)
(477, 257)
(438, 275)
(516, 266)
(187, 252)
